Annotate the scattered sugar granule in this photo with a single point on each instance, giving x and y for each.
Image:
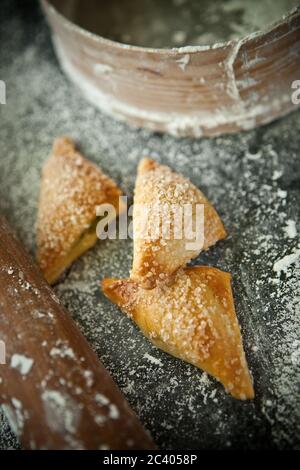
(254, 156)
(153, 360)
(284, 263)
(113, 412)
(282, 193)
(276, 175)
(290, 229)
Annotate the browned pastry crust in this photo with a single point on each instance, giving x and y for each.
(157, 256)
(193, 319)
(71, 189)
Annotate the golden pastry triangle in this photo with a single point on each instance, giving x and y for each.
(193, 319)
(71, 189)
(158, 253)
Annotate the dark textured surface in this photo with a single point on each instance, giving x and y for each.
(254, 181)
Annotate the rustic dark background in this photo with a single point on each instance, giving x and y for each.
(253, 179)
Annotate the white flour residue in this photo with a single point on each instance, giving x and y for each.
(22, 363)
(284, 263)
(12, 419)
(290, 229)
(16, 415)
(254, 156)
(113, 411)
(153, 360)
(282, 193)
(101, 399)
(183, 62)
(89, 377)
(276, 175)
(62, 349)
(244, 193)
(62, 412)
(102, 69)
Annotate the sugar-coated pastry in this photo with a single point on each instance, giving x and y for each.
(193, 319)
(71, 189)
(159, 194)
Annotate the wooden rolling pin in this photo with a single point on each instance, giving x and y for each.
(55, 392)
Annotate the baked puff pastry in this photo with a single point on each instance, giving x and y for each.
(71, 189)
(193, 319)
(159, 248)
